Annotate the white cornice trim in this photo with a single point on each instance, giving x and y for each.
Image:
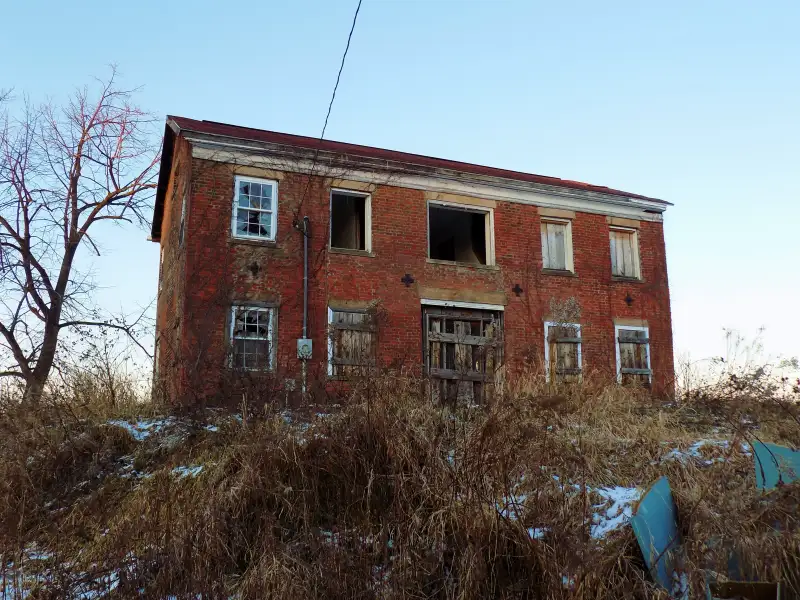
(459, 304)
(381, 172)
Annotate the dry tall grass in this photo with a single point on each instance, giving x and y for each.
(389, 496)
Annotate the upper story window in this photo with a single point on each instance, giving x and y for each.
(633, 354)
(351, 221)
(460, 233)
(624, 252)
(562, 352)
(252, 337)
(255, 208)
(557, 244)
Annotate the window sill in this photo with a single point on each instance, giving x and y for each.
(559, 272)
(453, 263)
(627, 279)
(253, 242)
(349, 252)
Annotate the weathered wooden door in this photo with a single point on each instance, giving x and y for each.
(462, 352)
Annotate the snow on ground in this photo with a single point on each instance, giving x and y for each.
(183, 471)
(615, 512)
(143, 428)
(694, 452)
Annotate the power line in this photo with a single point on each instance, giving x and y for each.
(330, 106)
(341, 67)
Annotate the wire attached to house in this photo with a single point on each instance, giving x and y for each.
(330, 107)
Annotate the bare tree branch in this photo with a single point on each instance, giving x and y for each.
(62, 170)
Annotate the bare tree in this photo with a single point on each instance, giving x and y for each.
(63, 170)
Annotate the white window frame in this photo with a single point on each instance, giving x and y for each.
(568, 255)
(476, 208)
(617, 329)
(634, 250)
(547, 326)
(182, 224)
(274, 220)
(367, 217)
(270, 335)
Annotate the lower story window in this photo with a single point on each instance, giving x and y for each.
(633, 354)
(352, 342)
(251, 337)
(562, 352)
(462, 351)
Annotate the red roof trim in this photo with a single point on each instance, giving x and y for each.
(261, 135)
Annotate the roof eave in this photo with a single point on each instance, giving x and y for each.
(171, 129)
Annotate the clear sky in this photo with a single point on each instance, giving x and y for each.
(694, 102)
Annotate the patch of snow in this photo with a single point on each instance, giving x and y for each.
(537, 533)
(511, 506)
(182, 471)
(143, 428)
(694, 453)
(212, 428)
(615, 511)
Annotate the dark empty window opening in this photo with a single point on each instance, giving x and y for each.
(349, 221)
(457, 234)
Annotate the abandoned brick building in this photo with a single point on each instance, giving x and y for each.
(458, 272)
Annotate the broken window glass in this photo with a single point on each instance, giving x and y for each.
(255, 215)
(457, 234)
(349, 221)
(251, 334)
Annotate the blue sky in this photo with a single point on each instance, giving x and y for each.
(693, 102)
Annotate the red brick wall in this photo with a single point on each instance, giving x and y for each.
(172, 276)
(218, 272)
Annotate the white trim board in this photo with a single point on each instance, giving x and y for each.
(458, 304)
(488, 188)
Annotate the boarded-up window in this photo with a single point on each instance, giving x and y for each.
(633, 355)
(251, 337)
(557, 245)
(624, 253)
(462, 352)
(563, 352)
(352, 345)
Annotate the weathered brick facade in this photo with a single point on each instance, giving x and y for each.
(211, 270)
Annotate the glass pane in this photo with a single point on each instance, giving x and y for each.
(614, 266)
(244, 200)
(255, 202)
(545, 248)
(266, 224)
(241, 222)
(244, 187)
(555, 243)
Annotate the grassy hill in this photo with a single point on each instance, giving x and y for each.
(389, 495)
